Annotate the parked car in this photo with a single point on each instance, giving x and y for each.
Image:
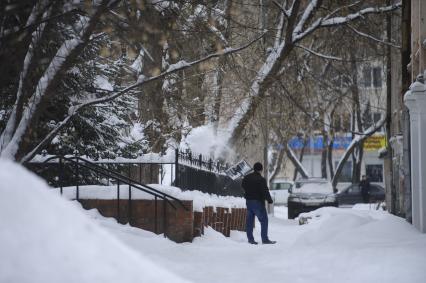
(279, 190)
(352, 194)
(310, 194)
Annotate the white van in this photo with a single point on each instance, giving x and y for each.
(279, 190)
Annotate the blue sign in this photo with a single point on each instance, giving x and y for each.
(317, 143)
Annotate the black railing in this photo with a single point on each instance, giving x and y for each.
(201, 162)
(196, 172)
(74, 165)
(188, 171)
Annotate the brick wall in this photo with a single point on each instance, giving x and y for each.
(149, 215)
(179, 225)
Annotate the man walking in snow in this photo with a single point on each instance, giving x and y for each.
(365, 189)
(256, 192)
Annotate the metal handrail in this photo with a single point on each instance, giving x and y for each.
(123, 179)
(131, 180)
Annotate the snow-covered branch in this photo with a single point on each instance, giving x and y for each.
(66, 52)
(372, 37)
(328, 21)
(46, 139)
(309, 11)
(348, 18)
(359, 139)
(283, 10)
(33, 20)
(293, 158)
(7, 134)
(179, 66)
(295, 31)
(263, 79)
(328, 57)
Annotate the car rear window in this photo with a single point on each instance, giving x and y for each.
(320, 187)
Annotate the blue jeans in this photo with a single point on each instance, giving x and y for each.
(255, 207)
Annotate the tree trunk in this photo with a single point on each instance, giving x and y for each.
(324, 155)
(302, 153)
(298, 165)
(355, 142)
(21, 141)
(220, 70)
(357, 153)
(388, 167)
(330, 156)
(278, 164)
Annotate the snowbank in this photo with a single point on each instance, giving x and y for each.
(200, 199)
(338, 245)
(352, 245)
(44, 238)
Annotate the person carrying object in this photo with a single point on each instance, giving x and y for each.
(256, 192)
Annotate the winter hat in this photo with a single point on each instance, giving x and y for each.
(258, 166)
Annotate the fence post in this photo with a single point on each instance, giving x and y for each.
(177, 167)
(155, 216)
(78, 175)
(118, 200)
(129, 204)
(200, 161)
(164, 217)
(60, 174)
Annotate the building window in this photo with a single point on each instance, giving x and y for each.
(377, 77)
(374, 172)
(367, 76)
(372, 77)
(346, 174)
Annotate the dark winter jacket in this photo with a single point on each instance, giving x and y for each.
(365, 187)
(255, 188)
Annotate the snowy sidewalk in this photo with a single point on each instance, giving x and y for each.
(342, 246)
(45, 238)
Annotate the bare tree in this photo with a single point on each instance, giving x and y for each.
(297, 22)
(15, 140)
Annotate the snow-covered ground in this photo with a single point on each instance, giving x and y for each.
(342, 245)
(44, 238)
(199, 199)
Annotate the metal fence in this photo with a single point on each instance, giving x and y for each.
(186, 170)
(195, 172)
(80, 170)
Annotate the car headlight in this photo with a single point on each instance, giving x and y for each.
(330, 198)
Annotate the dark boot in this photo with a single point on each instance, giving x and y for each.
(269, 242)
